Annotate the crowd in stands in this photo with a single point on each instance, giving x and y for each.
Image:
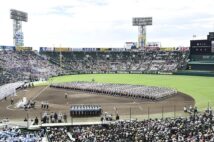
(11, 134)
(126, 61)
(125, 90)
(196, 127)
(29, 65)
(9, 89)
(19, 66)
(58, 135)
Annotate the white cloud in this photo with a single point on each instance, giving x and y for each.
(104, 23)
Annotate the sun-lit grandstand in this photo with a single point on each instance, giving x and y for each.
(141, 92)
(120, 61)
(19, 66)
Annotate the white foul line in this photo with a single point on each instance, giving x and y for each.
(39, 93)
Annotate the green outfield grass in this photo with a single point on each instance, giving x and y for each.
(200, 88)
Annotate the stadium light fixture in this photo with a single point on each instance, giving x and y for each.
(142, 22)
(18, 17)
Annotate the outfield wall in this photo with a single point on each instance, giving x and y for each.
(195, 73)
(181, 72)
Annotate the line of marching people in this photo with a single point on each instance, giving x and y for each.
(125, 90)
(85, 110)
(44, 105)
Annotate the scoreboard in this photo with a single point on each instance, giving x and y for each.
(200, 47)
(210, 36)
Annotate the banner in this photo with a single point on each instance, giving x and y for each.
(59, 49)
(23, 48)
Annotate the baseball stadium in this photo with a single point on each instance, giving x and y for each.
(140, 92)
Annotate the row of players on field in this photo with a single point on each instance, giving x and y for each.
(126, 90)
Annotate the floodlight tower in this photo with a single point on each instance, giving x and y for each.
(141, 22)
(18, 17)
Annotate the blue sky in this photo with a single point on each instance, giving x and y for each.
(107, 23)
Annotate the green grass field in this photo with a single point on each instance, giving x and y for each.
(200, 88)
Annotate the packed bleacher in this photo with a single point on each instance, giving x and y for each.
(124, 90)
(58, 135)
(28, 65)
(196, 127)
(9, 89)
(13, 134)
(124, 61)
